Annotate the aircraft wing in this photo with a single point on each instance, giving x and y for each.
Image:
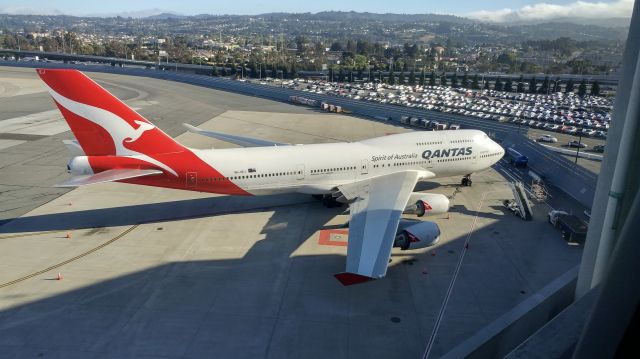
(376, 207)
(235, 139)
(107, 176)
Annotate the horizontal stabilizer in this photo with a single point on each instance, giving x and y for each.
(74, 148)
(238, 140)
(107, 176)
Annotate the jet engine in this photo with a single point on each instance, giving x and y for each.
(426, 203)
(79, 166)
(414, 234)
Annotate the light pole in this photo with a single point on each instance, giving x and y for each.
(521, 114)
(579, 143)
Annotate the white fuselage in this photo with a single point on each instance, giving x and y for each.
(320, 168)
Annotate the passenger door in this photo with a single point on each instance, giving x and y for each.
(300, 172)
(364, 167)
(192, 179)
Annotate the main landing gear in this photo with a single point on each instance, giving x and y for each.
(466, 180)
(328, 200)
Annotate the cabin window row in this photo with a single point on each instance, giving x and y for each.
(263, 175)
(491, 154)
(429, 143)
(396, 164)
(453, 159)
(334, 169)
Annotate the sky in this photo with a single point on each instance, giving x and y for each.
(496, 10)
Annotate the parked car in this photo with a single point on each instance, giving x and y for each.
(577, 144)
(547, 138)
(598, 148)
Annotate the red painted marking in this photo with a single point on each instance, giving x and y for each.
(326, 235)
(347, 278)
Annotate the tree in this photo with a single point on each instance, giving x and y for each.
(336, 46)
(432, 79)
(533, 85)
(423, 78)
(341, 75)
(465, 80)
(253, 71)
(582, 89)
(474, 83)
(498, 85)
(223, 71)
(569, 87)
(329, 75)
(443, 79)
(520, 88)
(544, 88)
(294, 71)
(360, 73)
(392, 78)
(412, 78)
(508, 86)
(401, 78)
(556, 85)
(595, 88)
(454, 80)
(506, 58)
(214, 71)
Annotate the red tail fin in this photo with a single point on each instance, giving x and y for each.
(103, 124)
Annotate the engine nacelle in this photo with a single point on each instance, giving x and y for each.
(426, 203)
(79, 166)
(416, 234)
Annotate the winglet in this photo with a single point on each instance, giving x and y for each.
(347, 278)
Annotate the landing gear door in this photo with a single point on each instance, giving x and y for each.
(300, 172)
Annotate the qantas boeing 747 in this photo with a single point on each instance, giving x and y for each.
(376, 177)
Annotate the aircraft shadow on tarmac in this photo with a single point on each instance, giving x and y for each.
(208, 308)
(472, 212)
(147, 213)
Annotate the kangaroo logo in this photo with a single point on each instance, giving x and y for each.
(144, 126)
(121, 131)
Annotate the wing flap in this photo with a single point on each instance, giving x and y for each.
(376, 207)
(235, 139)
(107, 176)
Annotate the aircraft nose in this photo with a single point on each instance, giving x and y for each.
(497, 148)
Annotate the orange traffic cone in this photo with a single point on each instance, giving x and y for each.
(59, 277)
(68, 236)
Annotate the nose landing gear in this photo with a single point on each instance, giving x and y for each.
(466, 180)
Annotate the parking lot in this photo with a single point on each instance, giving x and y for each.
(571, 114)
